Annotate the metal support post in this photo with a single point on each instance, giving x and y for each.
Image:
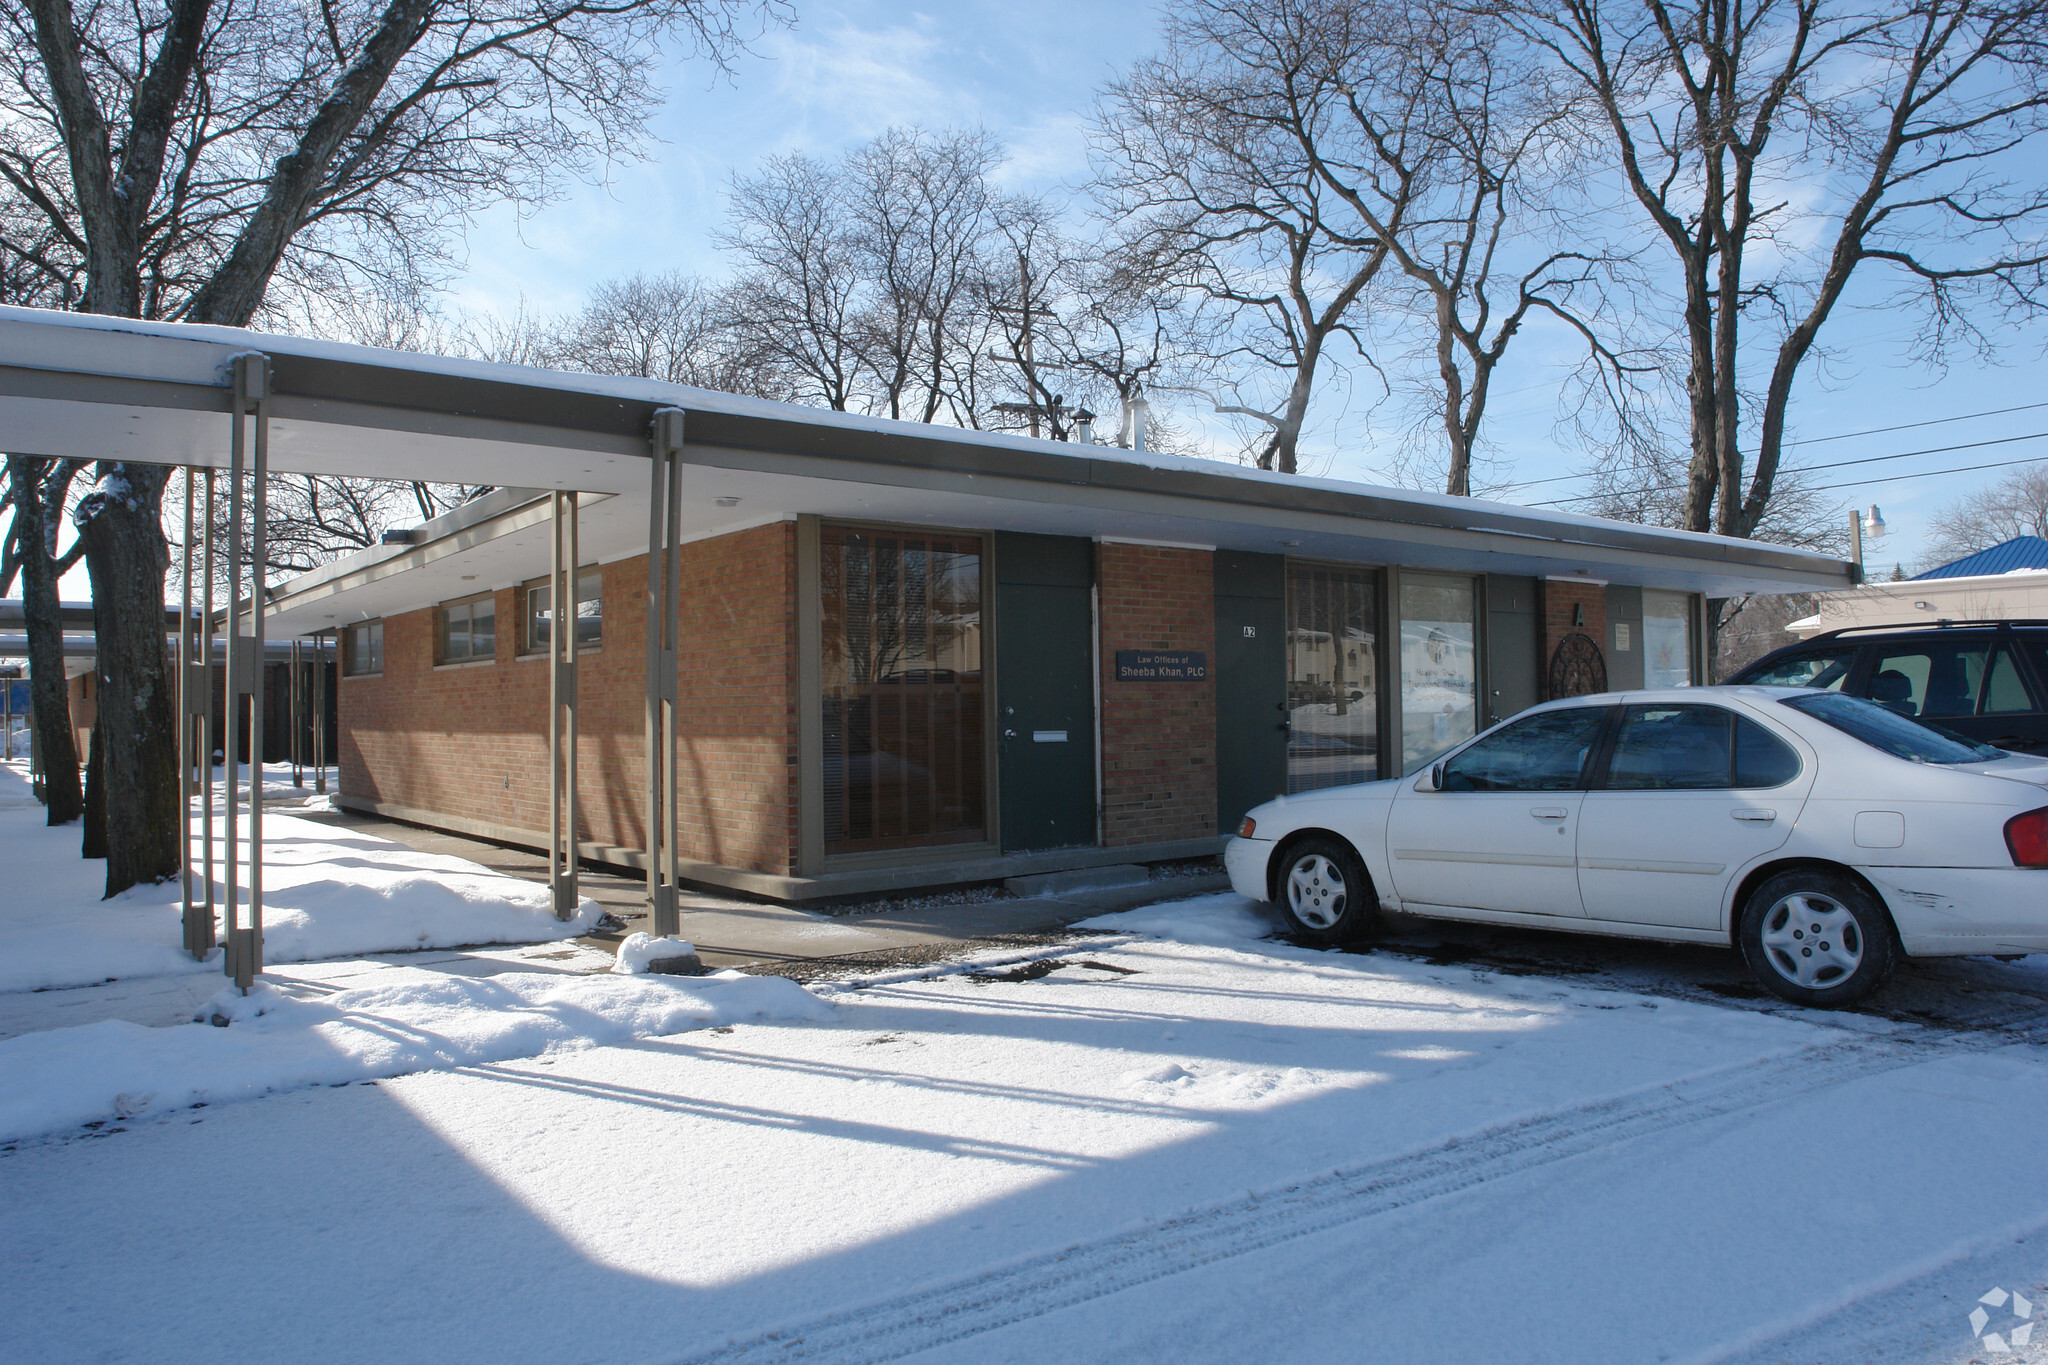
(198, 936)
(320, 713)
(563, 552)
(291, 706)
(664, 589)
(251, 385)
(209, 733)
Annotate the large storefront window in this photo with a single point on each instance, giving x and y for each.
(1438, 668)
(1332, 676)
(1667, 639)
(902, 672)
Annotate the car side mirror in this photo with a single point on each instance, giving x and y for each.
(1432, 779)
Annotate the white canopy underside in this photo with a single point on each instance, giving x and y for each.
(101, 388)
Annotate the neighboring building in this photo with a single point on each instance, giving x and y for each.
(2008, 582)
(81, 685)
(908, 655)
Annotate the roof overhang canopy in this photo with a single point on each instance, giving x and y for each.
(104, 388)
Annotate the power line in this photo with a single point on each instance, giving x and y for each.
(1847, 436)
(1909, 426)
(1843, 464)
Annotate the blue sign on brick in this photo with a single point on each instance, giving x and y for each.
(1153, 665)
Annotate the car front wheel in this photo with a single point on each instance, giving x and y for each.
(1817, 938)
(1325, 893)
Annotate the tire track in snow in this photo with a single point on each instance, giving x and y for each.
(904, 1325)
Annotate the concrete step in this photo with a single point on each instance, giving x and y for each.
(1103, 899)
(1077, 879)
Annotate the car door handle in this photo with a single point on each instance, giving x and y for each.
(1761, 817)
(1549, 812)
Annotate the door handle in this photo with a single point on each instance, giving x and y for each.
(1548, 812)
(1761, 817)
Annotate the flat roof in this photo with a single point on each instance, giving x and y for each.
(75, 384)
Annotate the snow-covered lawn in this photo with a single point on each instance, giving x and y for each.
(327, 893)
(1198, 1147)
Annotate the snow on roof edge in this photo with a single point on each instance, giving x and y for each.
(712, 400)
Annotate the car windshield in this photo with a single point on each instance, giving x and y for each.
(1891, 732)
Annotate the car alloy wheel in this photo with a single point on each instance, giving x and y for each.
(1316, 892)
(1324, 889)
(1812, 940)
(1817, 937)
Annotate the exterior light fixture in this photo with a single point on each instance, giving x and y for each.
(1873, 524)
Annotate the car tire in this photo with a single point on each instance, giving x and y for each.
(1817, 938)
(1324, 893)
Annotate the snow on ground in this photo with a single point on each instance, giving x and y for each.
(327, 893)
(1201, 1147)
(242, 1046)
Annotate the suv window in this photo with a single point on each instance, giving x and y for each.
(1936, 679)
(1545, 752)
(1823, 666)
(1696, 748)
(2004, 692)
(2034, 644)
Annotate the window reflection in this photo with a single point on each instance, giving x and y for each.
(902, 689)
(1438, 689)
(1332, 677)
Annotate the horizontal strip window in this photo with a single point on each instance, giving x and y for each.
(362, 649)
(466, 631)
(537, 626)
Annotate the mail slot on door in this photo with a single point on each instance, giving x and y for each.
(1049, 736)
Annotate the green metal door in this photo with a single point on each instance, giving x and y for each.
(1045, 689)
(1251, 683)
(1512, 661)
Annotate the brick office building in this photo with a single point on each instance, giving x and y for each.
(897, 654)
(966, 656)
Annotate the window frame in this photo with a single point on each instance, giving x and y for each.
(814, 530)
(348, 649)
(530, 650)
(1600, 776)
(1593, 765)
(441, 630)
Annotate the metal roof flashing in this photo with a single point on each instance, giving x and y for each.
(76, 384)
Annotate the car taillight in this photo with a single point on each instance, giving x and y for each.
(1244, 831)
(2027, 837)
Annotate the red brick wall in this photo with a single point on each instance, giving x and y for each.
(471, 740)
(1158, 738)
(1561, 604)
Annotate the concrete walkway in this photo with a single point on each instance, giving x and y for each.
(727, 931)
(762, 936)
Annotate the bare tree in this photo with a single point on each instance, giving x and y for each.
(1449, 140)
(800, 285)
(186, 158)
(1211, 158)
(672, 327)
(2016, 505)
(1917, 121)
(36, 493)
(924, 210)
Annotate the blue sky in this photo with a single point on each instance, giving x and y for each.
(1029, 73)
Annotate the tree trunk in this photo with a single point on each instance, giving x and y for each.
(49, 697)
(128, 557)
(94, 844)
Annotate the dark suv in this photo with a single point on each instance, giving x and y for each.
(1984, 680)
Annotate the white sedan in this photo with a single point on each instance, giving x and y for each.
(1822, 835)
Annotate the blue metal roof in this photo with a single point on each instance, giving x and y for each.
(2021, 552)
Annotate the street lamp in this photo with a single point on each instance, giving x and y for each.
(1863, 524)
